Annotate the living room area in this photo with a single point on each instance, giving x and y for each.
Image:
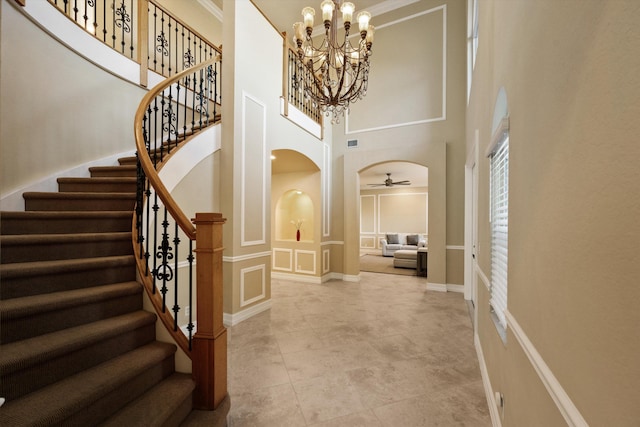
(394, 219)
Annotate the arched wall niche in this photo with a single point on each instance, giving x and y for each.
(294, 211)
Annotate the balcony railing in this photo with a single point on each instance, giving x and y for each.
(143, 31)
(295, 72)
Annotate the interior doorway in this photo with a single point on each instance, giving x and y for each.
(394, 215)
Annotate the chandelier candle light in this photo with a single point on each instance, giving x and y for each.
(338, 71)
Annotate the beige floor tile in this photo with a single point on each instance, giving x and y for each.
(268, 407)
(360, 419)
(291, 342)
(250, 371)
(382, 352)
(327, 397)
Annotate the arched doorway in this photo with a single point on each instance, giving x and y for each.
(394, 202)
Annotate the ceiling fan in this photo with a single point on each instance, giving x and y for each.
(390, 183)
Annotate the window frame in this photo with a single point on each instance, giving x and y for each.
(498, 155)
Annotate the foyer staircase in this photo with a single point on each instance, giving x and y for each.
(76, 347)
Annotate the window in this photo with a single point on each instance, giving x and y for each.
(472, 41)
(499, 228)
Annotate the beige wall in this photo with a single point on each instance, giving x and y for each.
(574, 204)
(70, 126)
(197, 17)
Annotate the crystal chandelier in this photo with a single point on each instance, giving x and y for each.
(335, 73)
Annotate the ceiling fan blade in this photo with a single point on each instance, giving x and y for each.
(405, 182)
(377, 185)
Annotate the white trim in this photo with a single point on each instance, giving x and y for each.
(498, 135)
(212, 9)
(203, 145)
(326, 261)
(444, 76)
(375, 10)
(288, 251)
(373, 240)
(332, 242)
(243, 184)
(326, 190)
(263, 293)
(455, 288)
(300, 119)
(438, 287)
(246, 257)
(485, 279)
(303, 252)
(232, 319)
(455, 247)
(486, 381)
(571, 414)
(332, 276)
(296, 277)
(350, 278)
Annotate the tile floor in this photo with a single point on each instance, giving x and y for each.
(382, 352)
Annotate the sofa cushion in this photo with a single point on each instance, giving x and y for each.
(412, 239)
(393, 239)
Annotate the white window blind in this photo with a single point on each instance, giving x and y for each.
(499, 228)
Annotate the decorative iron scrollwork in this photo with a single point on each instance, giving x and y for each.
(123, 19)
(169, 119)
(189, 59)
(163, 43)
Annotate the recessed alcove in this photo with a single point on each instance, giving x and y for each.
(294, 208)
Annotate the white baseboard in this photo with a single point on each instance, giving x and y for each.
(496, 421)
(455, 288)
(232, 319)
(350, 278)
(438, 287)
(296, 277)
(332, 276)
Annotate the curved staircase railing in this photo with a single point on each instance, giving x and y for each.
(166, 119)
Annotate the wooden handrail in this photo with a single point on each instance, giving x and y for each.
(145, 161)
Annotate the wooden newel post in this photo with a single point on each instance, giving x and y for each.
(209, 346)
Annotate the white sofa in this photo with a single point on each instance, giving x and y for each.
(389, 248)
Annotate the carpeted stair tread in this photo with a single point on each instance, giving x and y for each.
(39, 268)
(81, 201)
(83, 395)
(29, 352)
(98, 184)
(36, 315)
(16, 308)
(38, 222)
(39, 247)
(174, 392)
(23, 279)
(104, 171)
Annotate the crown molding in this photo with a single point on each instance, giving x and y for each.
(212, 8)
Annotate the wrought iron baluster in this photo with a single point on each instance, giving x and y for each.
(190, 259)
(169, 45)
(176, 307)
(164, 271)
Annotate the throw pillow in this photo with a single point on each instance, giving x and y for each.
(392, 239)
(413, 239)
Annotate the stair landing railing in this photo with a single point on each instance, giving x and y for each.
(141, 30)
(164, 237)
